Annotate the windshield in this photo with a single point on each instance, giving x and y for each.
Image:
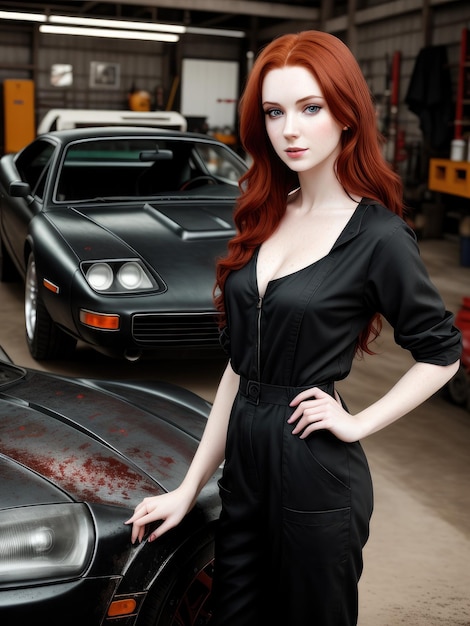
(128, 168)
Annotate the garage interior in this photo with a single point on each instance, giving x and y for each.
(416, 58)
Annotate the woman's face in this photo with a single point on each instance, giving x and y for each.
(300, 126)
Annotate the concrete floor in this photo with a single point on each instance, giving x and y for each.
(417, 561)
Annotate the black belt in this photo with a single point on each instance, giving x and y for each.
(276, 394)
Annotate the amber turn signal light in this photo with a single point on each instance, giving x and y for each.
(50, 285)
(122, 607)
(102, 321)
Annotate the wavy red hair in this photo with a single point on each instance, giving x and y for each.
(361, 167)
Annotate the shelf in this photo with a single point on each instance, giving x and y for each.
(452, 177)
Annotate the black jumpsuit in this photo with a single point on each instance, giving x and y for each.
(295, 513)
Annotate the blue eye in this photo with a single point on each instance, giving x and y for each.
(313, 108)
(273, 112)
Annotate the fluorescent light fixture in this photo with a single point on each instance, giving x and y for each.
(111, 28)
(108, 33)
(218, 32)
(27, 17)
(102, 23)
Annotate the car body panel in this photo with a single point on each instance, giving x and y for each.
(38, 490)
(102, 234)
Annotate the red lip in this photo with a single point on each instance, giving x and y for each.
(295, 152)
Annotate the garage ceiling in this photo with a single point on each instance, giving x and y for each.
(259, 18)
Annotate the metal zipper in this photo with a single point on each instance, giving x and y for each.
(259, 306)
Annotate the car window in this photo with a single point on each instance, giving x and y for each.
(219, 162)
(33, 164)
(126, 168)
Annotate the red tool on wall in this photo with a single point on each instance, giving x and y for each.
(394, 138)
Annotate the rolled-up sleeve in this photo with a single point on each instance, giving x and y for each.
(399, 287)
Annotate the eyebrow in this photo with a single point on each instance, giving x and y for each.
(300, 101)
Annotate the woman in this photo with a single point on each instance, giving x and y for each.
(321, 251)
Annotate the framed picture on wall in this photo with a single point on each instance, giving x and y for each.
(104, 75)
(61, 75)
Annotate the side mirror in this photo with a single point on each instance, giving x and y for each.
(19, 189)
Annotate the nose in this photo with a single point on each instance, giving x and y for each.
(290, 125)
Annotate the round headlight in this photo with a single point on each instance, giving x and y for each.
(100, 276)
(131, 276)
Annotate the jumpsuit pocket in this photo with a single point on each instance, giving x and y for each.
(315, 473)
(319, 538)
(331, 457)
(225, 494)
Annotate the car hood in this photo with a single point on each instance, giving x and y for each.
(63, 440)
(169, 236)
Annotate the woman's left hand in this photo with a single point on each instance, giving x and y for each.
(317, 410)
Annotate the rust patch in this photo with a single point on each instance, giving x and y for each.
(23, 431)
(120, 431)
(95, 478)
(166, 460)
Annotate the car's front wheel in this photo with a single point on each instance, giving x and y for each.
(45, 340)
(181, 595)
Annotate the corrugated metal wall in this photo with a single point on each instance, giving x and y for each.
(140, 64)
(16, 53)
(377, 41)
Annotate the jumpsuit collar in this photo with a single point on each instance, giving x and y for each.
(353, 227)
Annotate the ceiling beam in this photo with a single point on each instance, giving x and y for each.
(233, 7)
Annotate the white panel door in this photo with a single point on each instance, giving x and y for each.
(210, 89)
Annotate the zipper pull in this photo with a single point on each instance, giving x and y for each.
(260, 302)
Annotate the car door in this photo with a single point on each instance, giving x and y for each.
(32, 165)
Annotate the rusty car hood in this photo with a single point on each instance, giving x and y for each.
(65, 439)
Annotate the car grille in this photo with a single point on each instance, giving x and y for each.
(173, 329)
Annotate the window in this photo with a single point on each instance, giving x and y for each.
(33, 165)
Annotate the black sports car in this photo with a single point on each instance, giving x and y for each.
(116, 232)
(76, 456)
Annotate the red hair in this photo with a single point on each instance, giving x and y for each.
(360, 167)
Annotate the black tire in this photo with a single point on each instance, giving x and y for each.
(8, 271)
(458, 388)
(45, 340)
(181, 595)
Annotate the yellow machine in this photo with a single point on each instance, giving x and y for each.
(18, 114)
